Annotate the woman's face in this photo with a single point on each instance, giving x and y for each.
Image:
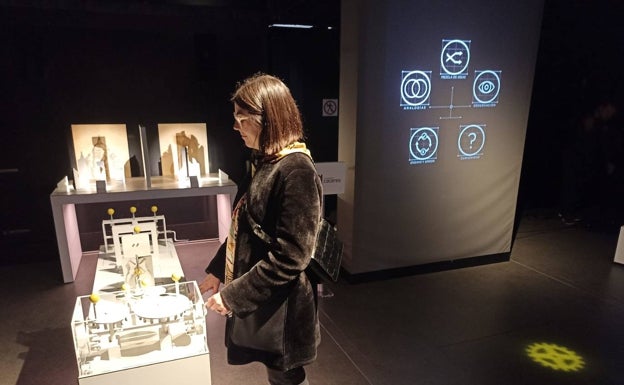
(248, 127)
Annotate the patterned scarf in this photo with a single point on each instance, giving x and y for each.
(292, 148)
(230, 249)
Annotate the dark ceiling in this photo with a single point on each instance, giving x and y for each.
(321, 13)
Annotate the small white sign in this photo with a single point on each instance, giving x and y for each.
(330, 107)
(332, 176)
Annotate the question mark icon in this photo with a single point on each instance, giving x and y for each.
(473, 137)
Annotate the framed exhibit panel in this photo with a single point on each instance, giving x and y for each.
(101, 152)
(183, 149)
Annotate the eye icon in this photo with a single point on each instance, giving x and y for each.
(486, 87)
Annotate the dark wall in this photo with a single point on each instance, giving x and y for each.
(578, 67)
(61, 67)
(309, 60)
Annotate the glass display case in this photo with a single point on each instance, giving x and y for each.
(117, 334)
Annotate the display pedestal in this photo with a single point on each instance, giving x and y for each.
(64, 199)
(186, 370)
(148, 335)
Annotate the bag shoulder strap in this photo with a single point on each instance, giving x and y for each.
(259, 231)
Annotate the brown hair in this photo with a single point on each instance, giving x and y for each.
(268, 98)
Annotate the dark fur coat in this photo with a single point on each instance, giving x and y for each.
(275, 319)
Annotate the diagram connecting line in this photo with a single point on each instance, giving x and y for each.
(451, 107)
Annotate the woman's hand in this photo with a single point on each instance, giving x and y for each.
(215, 303)
(210, 283)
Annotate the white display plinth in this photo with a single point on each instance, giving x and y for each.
(196, 369)
(64, 199)
(152, 335)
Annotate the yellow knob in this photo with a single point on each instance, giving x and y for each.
(137, 229)
(110, 211)
(132, 209)
(154, 209)
(175, 277)
(124, 287)
(94, 297)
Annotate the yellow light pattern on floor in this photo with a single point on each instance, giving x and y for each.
(555, 357)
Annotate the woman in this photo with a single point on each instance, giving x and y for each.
(269, 301)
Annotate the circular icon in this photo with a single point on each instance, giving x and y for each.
(330, 108)
(471, 140)
(486, 87)
(415, 88)
(455, 57)
(423, 143)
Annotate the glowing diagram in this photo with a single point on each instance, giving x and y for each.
(423, 144)
(454, 61)
(471, 140)
(555, 357)
(486, 87)
(415, 88)
(455, 57)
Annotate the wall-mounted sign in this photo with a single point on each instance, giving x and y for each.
(332, 176)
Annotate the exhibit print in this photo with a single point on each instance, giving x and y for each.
(183, 149)
(101, 152)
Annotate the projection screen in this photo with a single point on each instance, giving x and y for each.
(435, 134)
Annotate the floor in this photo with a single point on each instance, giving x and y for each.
(553, 314)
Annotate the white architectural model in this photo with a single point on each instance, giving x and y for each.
(131, 329)
(119, 334)
(115, 229)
